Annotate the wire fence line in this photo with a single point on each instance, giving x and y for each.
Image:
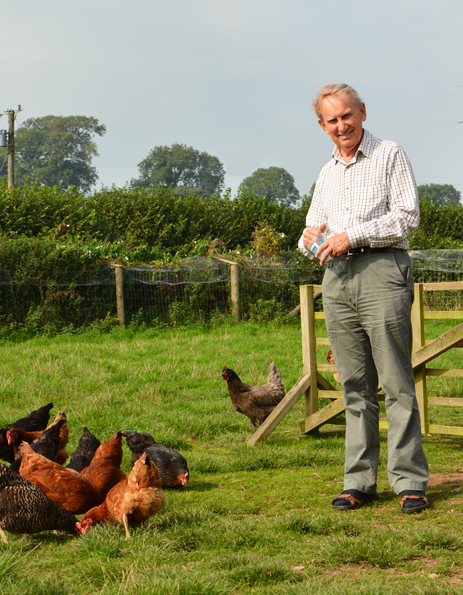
(196, 289)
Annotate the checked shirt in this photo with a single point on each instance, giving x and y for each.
(373, 198)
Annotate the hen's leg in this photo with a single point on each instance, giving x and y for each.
(125, 520)
(2, 533)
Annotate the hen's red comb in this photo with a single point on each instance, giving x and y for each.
(224, 368)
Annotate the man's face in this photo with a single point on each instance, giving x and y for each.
(342, 120)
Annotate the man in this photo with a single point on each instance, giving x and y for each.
(366, 202)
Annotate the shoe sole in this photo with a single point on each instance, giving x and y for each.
(411, 510)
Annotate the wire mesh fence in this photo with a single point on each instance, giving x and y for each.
(196, 289)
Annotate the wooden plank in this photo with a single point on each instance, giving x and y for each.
(418, 341)
(458, 315)
(455, 373)
(445, 401)
(119, 272)
(446, 285)
(339, 421)
(321, 417)
(235, 290)
(224, 260)
(323, 383)
(330, 394)
(327, 367)
(280, 411)
(450, 430)
(438, 346)
(309, 354)
(339, 432)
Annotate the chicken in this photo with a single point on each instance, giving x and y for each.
(24, 508)
(66, 487)
(50, 443)
(105, 470)
(36, 420)
(131, 501)
(85, 451)
(330, 360)
(256, 402)
(171, 464)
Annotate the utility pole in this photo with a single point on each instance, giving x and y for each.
(10, 147)
(11, 118)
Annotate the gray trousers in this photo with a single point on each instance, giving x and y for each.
(367, 300)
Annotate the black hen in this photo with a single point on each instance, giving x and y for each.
(85, 451)
(171, 464)
(24, 508)
(46, 444)
(35, 421)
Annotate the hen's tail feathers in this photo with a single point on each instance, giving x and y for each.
(85, 451)
(138, 441)
(273, 373)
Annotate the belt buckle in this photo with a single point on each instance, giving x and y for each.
(359, 250)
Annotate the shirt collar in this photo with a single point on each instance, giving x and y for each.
(366, 147)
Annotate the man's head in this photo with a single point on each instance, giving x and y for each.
(340, 112)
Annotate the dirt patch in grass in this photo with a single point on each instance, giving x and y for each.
(445, 480)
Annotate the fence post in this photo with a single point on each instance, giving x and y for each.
(419, 341)
(309, 358)
(119, 272)
(235, 290)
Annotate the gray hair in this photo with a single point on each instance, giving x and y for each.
(335, 89)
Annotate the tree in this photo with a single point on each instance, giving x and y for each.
(273, 183)
(182, 167)
(440, 194)
(57, 151)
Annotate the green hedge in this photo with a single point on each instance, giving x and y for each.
(153, 218)
(145, 216)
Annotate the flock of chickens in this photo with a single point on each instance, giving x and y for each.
(37, 493)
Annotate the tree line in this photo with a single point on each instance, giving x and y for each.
(58, 151)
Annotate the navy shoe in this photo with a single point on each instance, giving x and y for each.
(352, 499)
(413, 501)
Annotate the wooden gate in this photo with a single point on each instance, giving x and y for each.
(423, 353)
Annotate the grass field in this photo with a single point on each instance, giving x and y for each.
(252, 520)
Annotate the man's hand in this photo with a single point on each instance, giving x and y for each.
(334, 247)
(310, 233)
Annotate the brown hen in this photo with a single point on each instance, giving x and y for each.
(105, 471)
(256, 402)
(131, 501)
(330, 360)
(66, 487)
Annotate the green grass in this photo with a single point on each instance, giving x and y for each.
(252, 520)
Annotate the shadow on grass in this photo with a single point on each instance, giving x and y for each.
(201, 486)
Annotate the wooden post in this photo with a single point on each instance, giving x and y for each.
(235, 290)
(119, 272)
(309, 361)
(10, 147)
(419, 341)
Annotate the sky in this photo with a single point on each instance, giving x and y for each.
(236, 78)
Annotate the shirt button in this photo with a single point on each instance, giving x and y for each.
(347, 188)
(347, 208)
